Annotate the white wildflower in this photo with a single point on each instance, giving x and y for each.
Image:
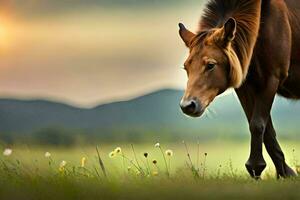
(169, 153)
(47, 154)
(7, 152)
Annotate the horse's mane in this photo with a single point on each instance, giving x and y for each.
(247, 14)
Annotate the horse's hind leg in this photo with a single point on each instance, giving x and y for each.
(275, 152)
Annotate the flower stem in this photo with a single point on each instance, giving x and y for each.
(198, 156)
(167, 170)
(136, 160)
(137, 167)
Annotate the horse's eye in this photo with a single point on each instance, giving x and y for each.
(210, 66)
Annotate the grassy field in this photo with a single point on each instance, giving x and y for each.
(215, 170)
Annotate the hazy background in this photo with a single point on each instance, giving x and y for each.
(86, 52)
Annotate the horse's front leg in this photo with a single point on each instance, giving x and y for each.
(263, 101)
(257, 104)
(256, 163)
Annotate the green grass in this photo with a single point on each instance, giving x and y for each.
(28, 174)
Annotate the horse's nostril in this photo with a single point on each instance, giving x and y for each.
(189, 107)
(192, 106)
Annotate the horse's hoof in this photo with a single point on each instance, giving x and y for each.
(255, 169)
(287, 172)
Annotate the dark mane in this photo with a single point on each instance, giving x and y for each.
(246, 13)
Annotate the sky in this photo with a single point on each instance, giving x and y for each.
(90, 53)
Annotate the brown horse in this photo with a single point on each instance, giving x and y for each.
(252, 46)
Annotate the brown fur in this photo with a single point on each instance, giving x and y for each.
(255, 45)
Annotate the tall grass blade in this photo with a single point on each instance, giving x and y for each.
(101, 162)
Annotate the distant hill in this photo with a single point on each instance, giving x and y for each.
(158, 109)
(153, 112)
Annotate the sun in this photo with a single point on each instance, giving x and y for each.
(4, 35)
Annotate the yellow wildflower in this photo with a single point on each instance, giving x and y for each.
(298, 169)
(118, 150)
(62, 165)
(155, 173)
(112, 154)
(83, 161)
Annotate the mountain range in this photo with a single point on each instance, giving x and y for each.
(155, 111)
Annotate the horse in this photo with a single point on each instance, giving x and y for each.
(252, 46)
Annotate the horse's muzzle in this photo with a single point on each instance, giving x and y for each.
(191, 107)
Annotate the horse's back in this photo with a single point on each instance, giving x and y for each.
(294, 20)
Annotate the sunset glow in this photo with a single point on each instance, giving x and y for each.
(5, 35)
(88, 56)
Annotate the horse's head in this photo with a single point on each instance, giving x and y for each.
(212, 66)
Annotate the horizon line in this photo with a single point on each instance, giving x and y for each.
(58, 100)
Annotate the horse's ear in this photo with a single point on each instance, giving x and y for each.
(186, 35)
(229, 30)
